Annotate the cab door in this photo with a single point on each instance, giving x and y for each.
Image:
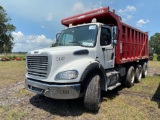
(107, 47)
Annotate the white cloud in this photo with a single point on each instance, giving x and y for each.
(26, 43)
(127, 17)
(17, 35)
(79, 8)
(142, 22)
(129, 8)
(127, 13)
(49, 17)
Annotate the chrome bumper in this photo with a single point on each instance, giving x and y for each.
(54, 91)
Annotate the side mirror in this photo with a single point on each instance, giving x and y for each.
(114, 35)
(57, 37)
(114, 32)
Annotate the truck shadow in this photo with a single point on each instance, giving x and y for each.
(67, 107)
(62, 108)
(112, 94)
(156, 96)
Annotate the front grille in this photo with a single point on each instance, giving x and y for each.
(37, 62)
(39, 74)
(37, 65)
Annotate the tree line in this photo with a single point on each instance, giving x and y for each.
(154, 43)
(6, 29)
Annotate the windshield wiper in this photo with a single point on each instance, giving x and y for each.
(75, 42)
(79, 44)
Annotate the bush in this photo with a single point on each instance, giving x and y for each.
(13, 57)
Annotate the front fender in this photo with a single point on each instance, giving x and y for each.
(91, 67)
(95, 67)
(80, 65)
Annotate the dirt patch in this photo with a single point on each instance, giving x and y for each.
(131, 93)
(140, 94)
(7, 96)
(153, 71)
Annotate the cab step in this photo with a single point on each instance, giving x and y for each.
(114, 86)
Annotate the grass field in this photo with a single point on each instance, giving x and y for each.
(142, 101)
(11, 72)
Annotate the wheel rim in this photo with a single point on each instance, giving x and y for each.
(145, 70)
(132, 77)
(140, 74)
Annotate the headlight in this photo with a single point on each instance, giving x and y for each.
(67, 75)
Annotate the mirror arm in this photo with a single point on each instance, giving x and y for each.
(57, 37)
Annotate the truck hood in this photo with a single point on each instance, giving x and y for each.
(58, 50)
(59, 59)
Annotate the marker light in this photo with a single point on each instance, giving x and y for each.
(94, 20)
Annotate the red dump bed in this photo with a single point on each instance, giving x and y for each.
(132, 43)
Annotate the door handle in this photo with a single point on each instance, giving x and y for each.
(103, 49)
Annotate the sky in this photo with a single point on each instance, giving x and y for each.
(38, 21)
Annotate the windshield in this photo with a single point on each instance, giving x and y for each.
(79, 36)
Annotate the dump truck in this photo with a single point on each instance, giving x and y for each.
(96, 52)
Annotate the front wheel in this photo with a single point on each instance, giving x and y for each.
(92, 97)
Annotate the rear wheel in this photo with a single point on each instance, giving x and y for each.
(138, 74)
(92, 97)
(144, 70)
(130, 77)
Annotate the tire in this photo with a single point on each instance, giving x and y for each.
(92, 96)
(130, 77)
(144, 70)
(138, 73)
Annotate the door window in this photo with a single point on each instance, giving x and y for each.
(105, 36)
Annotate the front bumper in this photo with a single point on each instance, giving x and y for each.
(70, 91)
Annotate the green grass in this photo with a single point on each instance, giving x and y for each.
(11, 72)
(121, 109)
(148, 85)
(154, 64)
(15, 114)
(12, 113)
(22, 92)
(134, 107)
